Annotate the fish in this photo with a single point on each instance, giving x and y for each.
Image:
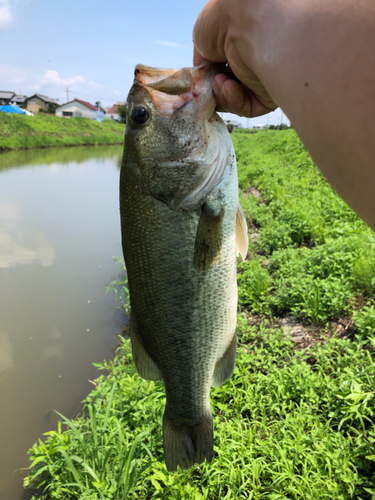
(182, 228)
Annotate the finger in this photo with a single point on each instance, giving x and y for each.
(210, 31)
(197, 58)
(236, 98)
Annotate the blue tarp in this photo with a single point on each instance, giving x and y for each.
(12, 109)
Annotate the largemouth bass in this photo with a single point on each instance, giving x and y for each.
(181, 228)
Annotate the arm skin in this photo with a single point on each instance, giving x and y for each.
(315, 59)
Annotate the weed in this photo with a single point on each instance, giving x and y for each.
(283, 429)
(23, 132)
(120, 286)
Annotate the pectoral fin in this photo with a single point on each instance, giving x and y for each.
(209, 239)
(224, 368)
(146, 367)
(242, 238)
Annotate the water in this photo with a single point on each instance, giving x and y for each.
(59, 228)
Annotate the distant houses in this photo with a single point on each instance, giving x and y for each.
(19, 100)
(112, 113)
(6, 97)
(232, 124)
(38, 102)
(78, 108)
(34, 104)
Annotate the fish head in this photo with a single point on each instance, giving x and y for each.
(167, 115)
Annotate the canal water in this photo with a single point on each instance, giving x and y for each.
(59, 231)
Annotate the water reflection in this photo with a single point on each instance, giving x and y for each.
(6, 352)
(59, 156)
(20, 243)
(59, 228)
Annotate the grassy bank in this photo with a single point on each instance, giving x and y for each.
(24, 132)
(296, 421)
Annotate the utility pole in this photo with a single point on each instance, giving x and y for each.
(67, 94)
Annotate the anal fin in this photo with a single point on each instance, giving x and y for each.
(224, 368)
(209, 239)
(146, 367)
(242, 237)
(186, 445)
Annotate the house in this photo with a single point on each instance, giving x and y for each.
(260, 126)
(19, 100)
(6, 96)
(232, 124)
(78, 108)
(38, 101)
(112, 112)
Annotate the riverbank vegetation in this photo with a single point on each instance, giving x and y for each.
(24, 132)
(297, 419)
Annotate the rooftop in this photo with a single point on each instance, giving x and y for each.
(113, 109)
(6, 94)
(89, 105)
(44, 98)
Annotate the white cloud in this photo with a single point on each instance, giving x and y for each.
(166, 43)
(53, 77)
(23, 246)
(6, 14)
(117, 92)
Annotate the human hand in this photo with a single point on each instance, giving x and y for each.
(238, 91)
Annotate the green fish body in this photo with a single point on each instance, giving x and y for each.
(181, 229)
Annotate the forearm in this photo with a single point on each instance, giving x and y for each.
(325, 83)
(316, 60)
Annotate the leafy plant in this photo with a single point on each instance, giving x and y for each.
(120, 286)
(365, 322)
(283, 429)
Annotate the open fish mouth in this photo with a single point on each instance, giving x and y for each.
(171, 89)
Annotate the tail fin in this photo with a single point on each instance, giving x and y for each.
(186, 445)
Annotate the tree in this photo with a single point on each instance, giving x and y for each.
(122, 112)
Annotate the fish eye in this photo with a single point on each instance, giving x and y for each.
(140, 114)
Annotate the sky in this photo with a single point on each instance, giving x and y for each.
(91, 47)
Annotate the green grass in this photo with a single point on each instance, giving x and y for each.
(24, 132)
(283, 429)
(289, 424)
(320, 256)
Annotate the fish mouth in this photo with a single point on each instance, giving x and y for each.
(171, 89)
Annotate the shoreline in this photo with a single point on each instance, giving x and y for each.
(9, 150)
(20, 132)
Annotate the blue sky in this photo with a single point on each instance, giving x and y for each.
(91, 47)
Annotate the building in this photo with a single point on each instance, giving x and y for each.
(38, 101)
(6, 96)
(232, 124)
(19, 100)
(112, 112)
(78, 108)
(260, 126)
